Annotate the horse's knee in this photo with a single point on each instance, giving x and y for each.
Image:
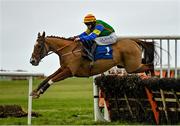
(120, 66)
(145, 68)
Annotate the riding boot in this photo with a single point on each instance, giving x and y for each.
(93, 49)
(89, 54)
(87, 49)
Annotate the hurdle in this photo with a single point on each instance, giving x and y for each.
(30, 82)
(169, 41)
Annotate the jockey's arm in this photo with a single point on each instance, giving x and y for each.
(82, 34)
(94, 34)
(77, 37)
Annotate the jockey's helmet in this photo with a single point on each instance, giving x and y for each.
(89, 18)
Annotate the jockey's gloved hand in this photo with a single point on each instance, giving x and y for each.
(77, 39)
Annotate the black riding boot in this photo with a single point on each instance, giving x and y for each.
(89, 48)
(93, 49)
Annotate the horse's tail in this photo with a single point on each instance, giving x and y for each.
(149, 51)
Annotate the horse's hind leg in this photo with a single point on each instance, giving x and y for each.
(145, 68)
(151, 70)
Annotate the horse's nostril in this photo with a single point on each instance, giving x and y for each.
(32, 61)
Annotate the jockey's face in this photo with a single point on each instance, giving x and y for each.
(90, 25)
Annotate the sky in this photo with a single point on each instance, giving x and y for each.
(21, 20)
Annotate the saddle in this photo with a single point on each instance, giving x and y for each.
(98, 52)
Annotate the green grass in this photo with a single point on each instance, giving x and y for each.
(66, 102)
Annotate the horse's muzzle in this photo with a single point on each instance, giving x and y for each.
(33, 62)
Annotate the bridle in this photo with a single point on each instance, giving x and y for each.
(45, 52)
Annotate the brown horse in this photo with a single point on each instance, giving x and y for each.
(126, 53)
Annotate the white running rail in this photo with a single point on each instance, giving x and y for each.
(30, 78)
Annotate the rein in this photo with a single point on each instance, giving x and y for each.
(68, 53)
(63, 47)
(71, 52)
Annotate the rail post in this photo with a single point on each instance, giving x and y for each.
(30, 100)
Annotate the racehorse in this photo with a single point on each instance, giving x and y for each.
(127, 53)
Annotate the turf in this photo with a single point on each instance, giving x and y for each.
(69, 102)
(66, 102)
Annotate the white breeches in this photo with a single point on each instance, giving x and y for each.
(107, 40)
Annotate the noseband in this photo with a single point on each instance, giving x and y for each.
(43, 49)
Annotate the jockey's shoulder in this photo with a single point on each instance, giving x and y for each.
(101, 23)
(98, 22)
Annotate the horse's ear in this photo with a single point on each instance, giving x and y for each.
(43, 35)
(39, 34)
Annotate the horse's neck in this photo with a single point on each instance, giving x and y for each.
(57, 43)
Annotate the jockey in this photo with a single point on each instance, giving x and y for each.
(98, 32)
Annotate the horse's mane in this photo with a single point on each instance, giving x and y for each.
(58, 37)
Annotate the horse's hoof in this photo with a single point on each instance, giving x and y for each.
(35, 94)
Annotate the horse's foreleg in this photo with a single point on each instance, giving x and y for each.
(35, 93)
(60, 76)
(66, 72)
(63, 75)
(48, 78)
